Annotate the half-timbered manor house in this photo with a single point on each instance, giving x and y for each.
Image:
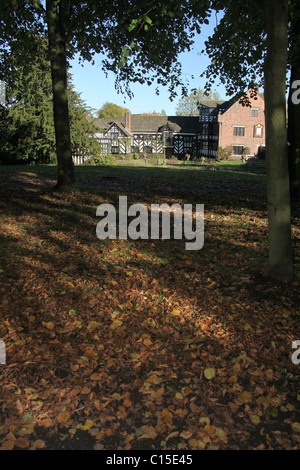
(219, 124)
(138, 133)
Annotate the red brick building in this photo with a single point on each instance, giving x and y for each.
(230, 124)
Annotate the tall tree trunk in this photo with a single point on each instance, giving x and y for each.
(56, 19)
(278, 188)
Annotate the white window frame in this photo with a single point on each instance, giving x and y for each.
(236, 145)
(260, 127)
(239, 127)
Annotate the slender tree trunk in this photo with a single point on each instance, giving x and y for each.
(57, 47)
(278, 188)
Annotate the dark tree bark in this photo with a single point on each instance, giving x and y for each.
(56, 21)
(278, 187)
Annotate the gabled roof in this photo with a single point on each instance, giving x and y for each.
(120, 127)
(210, 103)
(146, 123)
(185, 124)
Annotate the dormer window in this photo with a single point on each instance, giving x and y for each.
(167, 134)
(168, 137)
(204, 114)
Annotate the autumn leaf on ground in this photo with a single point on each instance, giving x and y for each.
(176, 312)
(86, 426)
(148, 432)
(296, 427)
(22, 442)
(209, 373)
(245, 397)
(8, 445)
(64, 418)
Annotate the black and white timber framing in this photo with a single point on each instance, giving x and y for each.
(163, 135)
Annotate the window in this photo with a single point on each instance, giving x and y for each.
(204, 114)
(105, 148)
(188, 146)
(135, 149)
(258, 131)
(254, 112)
(114, 135)
(205, 129)
(114, 149)
(238, 149)
(213, 145)
(168, 137)
(147, 149)
(238, 131)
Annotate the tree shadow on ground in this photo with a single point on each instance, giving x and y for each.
(136, 324)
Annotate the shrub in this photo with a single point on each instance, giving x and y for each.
(225, 153)
(172, 160)
(106, 160)
(101, 160)
(220, 153)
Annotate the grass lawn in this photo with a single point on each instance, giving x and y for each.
(123, 344)
(136, 169)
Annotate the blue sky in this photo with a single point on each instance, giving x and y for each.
(96, 88)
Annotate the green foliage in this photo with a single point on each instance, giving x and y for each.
(111, 110)
(151, 158)
(220, 153)
(237, 46)
(138, 41)
(106, 160)
(155, 35)
(27, 125)
(187, 105)
(13, 138)
(81, 127)
(224, 153)
(172, 160)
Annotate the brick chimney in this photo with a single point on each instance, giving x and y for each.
(128, 121)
